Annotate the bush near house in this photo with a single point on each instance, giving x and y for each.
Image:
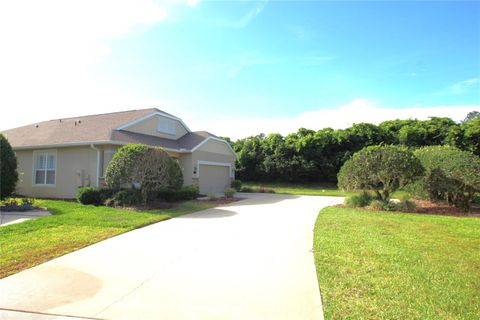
(450, 174)
(382, 169)
(185, 193)
(8, 168)
(145, 168)
(229, 192)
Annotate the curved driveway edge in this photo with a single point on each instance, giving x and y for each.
(251, 259)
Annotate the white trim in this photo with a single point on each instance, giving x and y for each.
(97, 180)
(215, 139)
(211, 163)
(34, 173)
(117, 143)
(156, 113)
(70, 144)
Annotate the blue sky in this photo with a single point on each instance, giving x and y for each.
(272, 62)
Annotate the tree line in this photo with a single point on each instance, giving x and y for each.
(308, 155)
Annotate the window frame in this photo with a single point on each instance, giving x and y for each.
(47, 153)
(173, 132)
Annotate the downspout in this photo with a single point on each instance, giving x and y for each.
(97, 184)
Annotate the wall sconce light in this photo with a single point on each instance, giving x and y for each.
(195, 170)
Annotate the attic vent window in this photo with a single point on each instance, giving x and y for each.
(167, 126)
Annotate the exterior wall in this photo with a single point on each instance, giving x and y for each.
(149, 127)
(187, 168)
(76, 167)
(213, 151)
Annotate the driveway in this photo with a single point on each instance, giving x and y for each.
(251, 259)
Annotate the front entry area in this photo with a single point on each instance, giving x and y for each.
(213, 178)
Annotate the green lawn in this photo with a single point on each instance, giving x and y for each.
(73, 226)
(377, 265)
(308, 189)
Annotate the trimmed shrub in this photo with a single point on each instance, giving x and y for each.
(89, 195)
(450, 174)
(236, 184)
(145, 168)
(8, 168)
(382, 169)
(185, 193)
(125, 198)
(229, 192)
(358, 201)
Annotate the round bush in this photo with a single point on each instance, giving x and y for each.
(451, 174)
(383, 169)
(89, 195)
(360, 200)
(8, 168)
(145, 168)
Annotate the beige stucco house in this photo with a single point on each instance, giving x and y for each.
(57, 157)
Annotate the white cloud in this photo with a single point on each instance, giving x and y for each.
(50, 50)
(462, 86)
(248, 17)
(359, 110)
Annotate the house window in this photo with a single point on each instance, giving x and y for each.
(45, 168)
(166, 125)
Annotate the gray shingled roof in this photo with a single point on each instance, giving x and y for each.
(96, 128)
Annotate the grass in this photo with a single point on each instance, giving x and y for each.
(73, 226)
(308, 189)
(377, 265)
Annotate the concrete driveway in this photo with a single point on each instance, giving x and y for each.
(248, 260)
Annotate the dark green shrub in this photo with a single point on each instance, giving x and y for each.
(146, 168)
(358, 201)
(126, 198)
(450, 174)
(89, 195)
(236, 184)
(229, 192)
(185, 193)
(382, 169)
(119, 170)
(8, 168)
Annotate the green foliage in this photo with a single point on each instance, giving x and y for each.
(16, 204)
(125, 198)
(89, 195)
(358, 201)
(8, 168)
(314, 156)
(120, 168)
(236, 184)
(383, 169)
(146, 168)
(185, 193)
(451, 174)
(229, 192)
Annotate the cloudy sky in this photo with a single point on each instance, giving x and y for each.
(238, 68)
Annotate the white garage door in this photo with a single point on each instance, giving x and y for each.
(213, 178)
